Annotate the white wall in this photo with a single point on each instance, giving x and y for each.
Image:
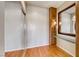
(13, 26)
(37, 26)
(67, 43)
(1, 28)
(63, 44)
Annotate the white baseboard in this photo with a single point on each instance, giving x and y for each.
(26, 47)
(36, 46)
(14, 50)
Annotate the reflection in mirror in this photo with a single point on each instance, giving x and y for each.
(67, 21)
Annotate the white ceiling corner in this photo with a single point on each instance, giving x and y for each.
(46, 4)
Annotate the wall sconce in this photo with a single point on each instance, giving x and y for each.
(53, 23)
(59, 23)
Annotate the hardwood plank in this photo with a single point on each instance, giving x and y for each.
(42, 51)
(17, 53)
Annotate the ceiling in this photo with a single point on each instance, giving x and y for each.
(46, 4)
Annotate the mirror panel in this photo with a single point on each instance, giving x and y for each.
(67, 21)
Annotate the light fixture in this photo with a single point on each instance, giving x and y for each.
(59, 23)
(53, 23)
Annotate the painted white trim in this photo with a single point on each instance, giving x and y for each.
(14, 50)
(26, 48)
(36, 46)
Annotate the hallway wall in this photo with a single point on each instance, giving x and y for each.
(37, 26)
(1, 28)
(14, 28)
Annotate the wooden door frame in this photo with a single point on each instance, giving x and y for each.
(77, 29)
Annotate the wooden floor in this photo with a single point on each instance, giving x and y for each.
(43, 51)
